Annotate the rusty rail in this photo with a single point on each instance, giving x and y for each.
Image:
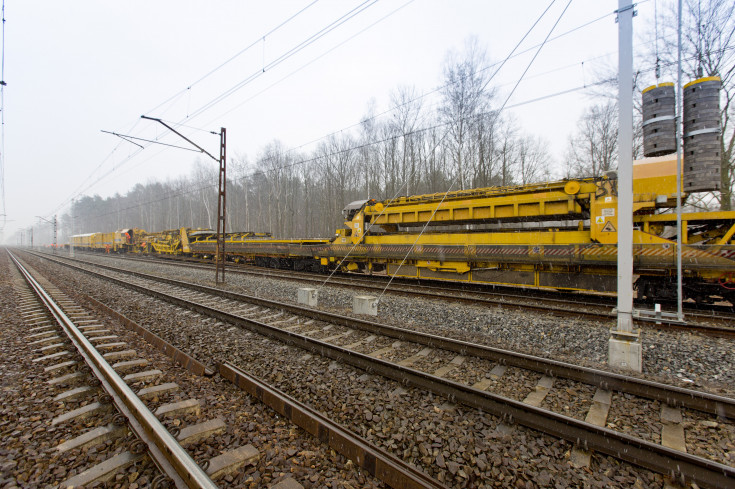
(408, 289)
(364, 454)
(163, 448)
(184, 359)
(679, 465)
(672, 395)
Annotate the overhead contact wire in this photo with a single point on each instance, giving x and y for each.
(417, 131)
(535, 55)
(423, 95)
(233, 57)
(336, 23)
(366, 229)
(288, 54)
(180, 93)
(313, 60)
(368, 119)
(311, 160)
(428, 221)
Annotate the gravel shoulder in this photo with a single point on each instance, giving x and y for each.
(27, 453)
(686, 359)
(462, 447)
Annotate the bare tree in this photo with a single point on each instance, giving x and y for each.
(435, 162)
(533, 159)
(486, 138)
(205, 178)
(506, 149)
(465, 97)
(406, 118)
(413, 150)
(593, 150)
(368, 152)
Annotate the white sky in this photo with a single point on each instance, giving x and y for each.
(75, 68)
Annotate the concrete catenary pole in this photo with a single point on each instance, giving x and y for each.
(624, 349)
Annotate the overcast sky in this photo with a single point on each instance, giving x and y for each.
(75, 68)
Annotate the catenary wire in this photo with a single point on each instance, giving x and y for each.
(379, 141)
(284, 56)
(171, 100)
(336, 23)
(535, 56)
(350, 38)
(352, 13)
(357, 147)
(514, 105)
(405, 182)
(388, 111)
(177, 95)
(313, 60)
(459, 176)
(584, 86)
(385, 139)
(233, 57)
(79, 190)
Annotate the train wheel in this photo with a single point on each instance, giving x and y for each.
(643, 289)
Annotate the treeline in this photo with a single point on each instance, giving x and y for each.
(293, 194)
(462, 143)
(463, 140)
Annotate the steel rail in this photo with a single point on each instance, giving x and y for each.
(165, 451)
(678, 465)
(673, 395)
(407, 289)
(667, 461)
(402, 289)
(378, 463)
(548, 305)
(182, 358)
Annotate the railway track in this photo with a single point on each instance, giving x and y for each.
(365, 455)
(86, 340)
(473, 375)
(713, 322)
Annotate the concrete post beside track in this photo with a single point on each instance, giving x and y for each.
(624, 347)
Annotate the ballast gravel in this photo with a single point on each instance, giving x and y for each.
(463, 448)
(27, 453)
(686, 359)
(710, 359)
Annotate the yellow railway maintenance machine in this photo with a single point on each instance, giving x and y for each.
(560, 235)
(112, 242)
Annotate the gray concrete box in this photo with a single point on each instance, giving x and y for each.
(308, 296)
(365, 304)
(625, 351)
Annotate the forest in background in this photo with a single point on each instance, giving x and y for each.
(466, 141)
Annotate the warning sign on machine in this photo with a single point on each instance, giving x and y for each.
(608, 227)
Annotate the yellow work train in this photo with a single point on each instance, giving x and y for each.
(115, 241)
(558, 235)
